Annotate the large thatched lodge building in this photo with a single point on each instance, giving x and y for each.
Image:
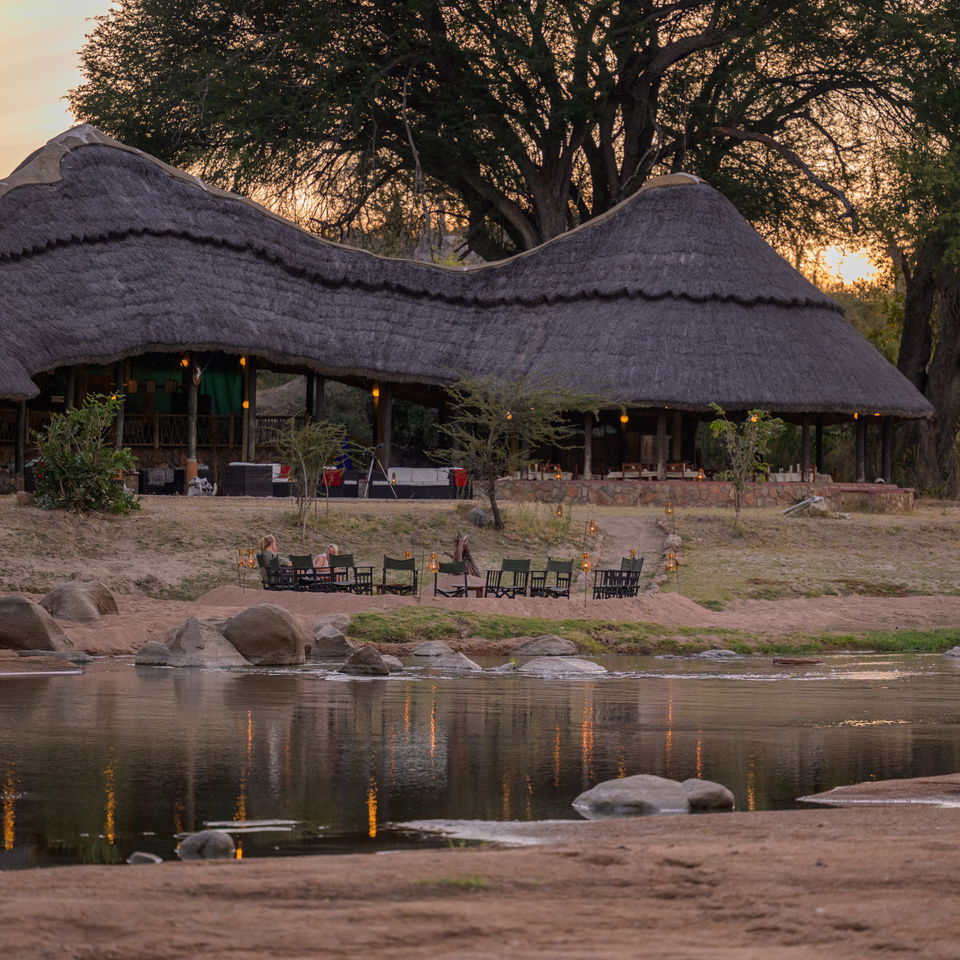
(120, 273)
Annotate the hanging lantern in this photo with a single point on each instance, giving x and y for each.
(509, 415)
(592, 528)
(668, 508)
(558, 475)
(701, 475)
(754, 418)
(375, 392)
(393, 479)
(184, 361)
(624, 419)
(246, 404)
(856, 416)
(559, 510)
(585, 562)
(243, 361)
(434, 565)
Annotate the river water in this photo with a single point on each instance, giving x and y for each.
(124, 758)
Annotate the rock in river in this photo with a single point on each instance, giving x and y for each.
(25, 625)
(206, 845)
(547, 645)
(645, 793)
(456, 662)
(197, 643)
(559, 667)
(431, 648)
(366, 662)
(330, 642)
(267, 635)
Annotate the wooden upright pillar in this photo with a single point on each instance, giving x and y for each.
(245, 416)
(805, 449)
(886, 455)
(118, 380)
(20, 440)
(316, 399)
(70, 389)
(818, 444)
(251, 453)
(383, 413)
(676, 436)
(192, 403)
(861, 445)
(661, 444)
(587, 445)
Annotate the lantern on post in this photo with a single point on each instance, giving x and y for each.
(434, 565)
(592, 528)
(559, 510)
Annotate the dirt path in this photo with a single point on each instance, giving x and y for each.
(618, 535)
(850, 883)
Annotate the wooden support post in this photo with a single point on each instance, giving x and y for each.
(70, 390)
(156, 429)
(661, 444)
(588, 445)
(118, 388)
(861, 446)
(251, 451)
(20, 440)
(192, 403)
(320, 399)
(886, 445)
(805, 449)
(384, 416)
(676, 435)
(818, 444)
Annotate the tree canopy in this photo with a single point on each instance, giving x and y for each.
(525, 117)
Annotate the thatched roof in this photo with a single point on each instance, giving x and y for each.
(670, 299)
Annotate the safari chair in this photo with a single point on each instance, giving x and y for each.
(402, 587)
(455, 588)
(345, 576)
(617, 584)
(302, 569)
(274, 576)
(497, 584)
(561, 572)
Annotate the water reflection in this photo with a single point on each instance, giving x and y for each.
(93, 767)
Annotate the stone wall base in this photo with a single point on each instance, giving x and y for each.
(864, 497)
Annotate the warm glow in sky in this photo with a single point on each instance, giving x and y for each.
(39, 40)
(849, 265)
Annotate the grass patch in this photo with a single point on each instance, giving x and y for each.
(470, 882)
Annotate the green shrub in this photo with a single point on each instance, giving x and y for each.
(80, 470)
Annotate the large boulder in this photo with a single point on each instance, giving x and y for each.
(546, 645)
(152, 654)
(432, 648)
(479, 517)
(338, 620)
(80, 601)
(631, 797)
(206, 845)
(559, 667)
(455, 662)
(707, 795)
(330, 643)
(952, 652)
(717, 655)
(366, 662)
(25, 625)
(198, 643)
(268, 636)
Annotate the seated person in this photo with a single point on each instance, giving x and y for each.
(321, 561)
(268, 547)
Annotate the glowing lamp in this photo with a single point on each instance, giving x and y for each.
(246, 404)
(592, 528)
(509, 415)
(375, 392)
(434, 565)
(585, 562)
(668, 508)
(243, 361)
(624, 419)
(184, 361)
(558, 475)
(671, 563)
(633, 554)
(701, 475)
(407, 554)
(754, 418)
(559, 510)
(856, 416)
(393, 479)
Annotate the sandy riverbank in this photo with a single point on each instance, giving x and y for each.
(847, 883)
(144, 618)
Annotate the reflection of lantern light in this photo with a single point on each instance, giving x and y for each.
(701, 475)
(592, 528)
(375, 392)
(559, 509)
(668, 508)
(585, 562)
(434, 564)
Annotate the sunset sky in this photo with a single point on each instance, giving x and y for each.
(39, 40)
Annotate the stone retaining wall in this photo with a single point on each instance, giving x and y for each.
(866, 497)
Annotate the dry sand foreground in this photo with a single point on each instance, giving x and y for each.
(849, 883)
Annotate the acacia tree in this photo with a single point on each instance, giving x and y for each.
(744, 445)
(498, 425)
(529, 117)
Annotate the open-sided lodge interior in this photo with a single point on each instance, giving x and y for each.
(123, 275)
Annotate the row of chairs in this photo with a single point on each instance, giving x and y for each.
(514, 578)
